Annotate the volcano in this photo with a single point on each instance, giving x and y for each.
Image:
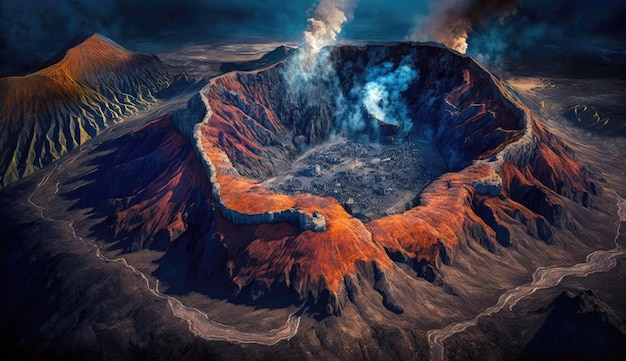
(248, 127)
(386, 191)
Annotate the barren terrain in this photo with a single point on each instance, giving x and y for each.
(119, 249)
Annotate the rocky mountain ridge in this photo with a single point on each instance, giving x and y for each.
(90, 85)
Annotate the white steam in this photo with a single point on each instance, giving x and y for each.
(310, 65)
(383, 95)
(326, 23)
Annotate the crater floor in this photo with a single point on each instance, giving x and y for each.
(370, 180)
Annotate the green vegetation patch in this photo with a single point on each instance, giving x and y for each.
(604, 120)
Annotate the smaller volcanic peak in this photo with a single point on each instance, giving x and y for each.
(93, 83)
(579, 326)
(87, 53)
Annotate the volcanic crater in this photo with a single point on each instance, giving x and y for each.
(318, 179)
(370, 127)
(288, 148)
(355, 140)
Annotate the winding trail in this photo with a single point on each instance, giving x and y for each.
(543, 277)
(199, 323)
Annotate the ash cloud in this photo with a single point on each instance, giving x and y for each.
(450, 22)
(495, 30)
(572, 27)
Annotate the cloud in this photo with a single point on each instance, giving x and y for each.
(31, 31)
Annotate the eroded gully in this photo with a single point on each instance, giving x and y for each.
(543, 277)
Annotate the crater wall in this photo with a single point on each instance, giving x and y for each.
(508, 170)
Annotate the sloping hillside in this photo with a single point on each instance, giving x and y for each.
(91, 84)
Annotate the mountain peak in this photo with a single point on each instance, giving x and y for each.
(90, 83)
(87, 52)
(100, 40)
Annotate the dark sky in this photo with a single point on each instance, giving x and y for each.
(33, 30)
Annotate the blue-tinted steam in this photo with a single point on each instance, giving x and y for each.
(374, 96)
(379, 98)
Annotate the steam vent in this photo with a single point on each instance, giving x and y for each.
(328, 176)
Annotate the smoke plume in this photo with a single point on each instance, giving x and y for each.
(450, 22)
(310, 65)
(326, 23)
(376, 97)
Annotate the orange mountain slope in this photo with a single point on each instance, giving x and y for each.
(93, 84)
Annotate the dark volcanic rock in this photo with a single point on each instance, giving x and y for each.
(579, 327)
